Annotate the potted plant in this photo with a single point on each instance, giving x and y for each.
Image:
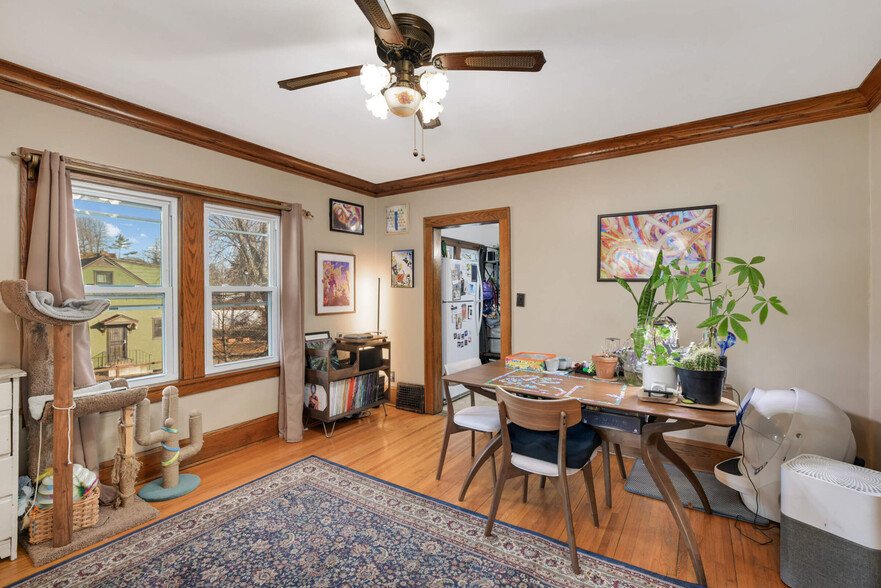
(702, 377)
(605, 364)
(724, 300)
(659, 370)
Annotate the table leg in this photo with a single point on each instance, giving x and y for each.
(683, 467)
(652, 436)
(488, 451)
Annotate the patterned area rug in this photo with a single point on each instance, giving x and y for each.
(316, 523)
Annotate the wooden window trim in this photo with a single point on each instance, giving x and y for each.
(191, 206)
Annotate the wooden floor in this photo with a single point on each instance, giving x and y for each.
(403, 448)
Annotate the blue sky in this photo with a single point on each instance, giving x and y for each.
(138, 222)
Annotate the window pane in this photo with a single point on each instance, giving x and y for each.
(238, 251)
(120, 242)
(240, 325)
(122, 338)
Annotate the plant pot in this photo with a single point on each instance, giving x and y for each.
(605, 366)
(655, 377)
(702, 387)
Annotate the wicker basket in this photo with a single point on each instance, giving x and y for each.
(85, 514)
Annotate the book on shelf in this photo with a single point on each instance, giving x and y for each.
(352, 393)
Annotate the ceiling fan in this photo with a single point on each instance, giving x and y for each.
(404, 43)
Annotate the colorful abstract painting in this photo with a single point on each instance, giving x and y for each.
(346, 217)
(629, 242)
(334, 282)
(402, 269)
(396, 218)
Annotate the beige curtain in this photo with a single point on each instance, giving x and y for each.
(291, 336)
(54, 266)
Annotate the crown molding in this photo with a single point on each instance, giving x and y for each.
(871, 87)
(39, 86)
(788, 114)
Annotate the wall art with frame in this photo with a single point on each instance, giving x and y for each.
(397, 217)
(346, 217)
(628, 243)
(334, 283)
(402, 269)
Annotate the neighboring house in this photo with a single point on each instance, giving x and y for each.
(127, 339)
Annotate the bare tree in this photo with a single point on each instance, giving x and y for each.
(91, 234)
(153, 254)
(238, 251)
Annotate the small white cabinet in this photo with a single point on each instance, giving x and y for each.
(9, 395)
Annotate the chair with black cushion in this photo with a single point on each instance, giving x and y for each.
(476, 419)
(547, 438)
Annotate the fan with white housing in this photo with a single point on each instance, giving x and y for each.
(773, 427)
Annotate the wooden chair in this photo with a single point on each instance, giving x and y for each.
(545, 437)
(483, 419)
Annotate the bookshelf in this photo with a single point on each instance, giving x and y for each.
(357, 385)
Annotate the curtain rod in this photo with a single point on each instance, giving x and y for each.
(33, 161)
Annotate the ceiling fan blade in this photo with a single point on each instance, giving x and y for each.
(427, 126)
(382, 21)
(491, 60)
(320, 78)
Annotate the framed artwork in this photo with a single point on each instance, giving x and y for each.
(402, 268)
(334, 283)
(397, 219)
(346, 217)
(628, 243)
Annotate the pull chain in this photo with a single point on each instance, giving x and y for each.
(422, 157)
(415, 151)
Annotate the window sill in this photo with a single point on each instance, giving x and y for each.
(214, 382)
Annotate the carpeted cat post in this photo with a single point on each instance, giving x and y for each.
(172, 484)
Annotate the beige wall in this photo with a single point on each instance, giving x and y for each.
(37, 125)
(875, 275)
(798, 196)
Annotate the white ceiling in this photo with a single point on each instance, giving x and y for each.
(613, 67)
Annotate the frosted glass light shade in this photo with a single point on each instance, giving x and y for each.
(430, 110)
(403, 101)
(374, 78)
(377, 106)
(435, 85)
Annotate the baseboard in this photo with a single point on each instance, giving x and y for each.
(699, 455)
(214, 444)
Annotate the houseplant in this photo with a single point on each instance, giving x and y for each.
(724, 300)
(605, 365)
(702, 377)
(659, 370)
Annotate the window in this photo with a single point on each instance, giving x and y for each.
(241, 288)
(127, 241)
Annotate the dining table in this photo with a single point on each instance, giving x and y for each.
(616, 409)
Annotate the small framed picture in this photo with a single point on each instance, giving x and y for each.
(346, 217)
(402, 268)
(397, 218)
(334, 283)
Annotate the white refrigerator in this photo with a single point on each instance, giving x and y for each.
(460, 304)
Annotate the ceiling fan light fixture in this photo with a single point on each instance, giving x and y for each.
(374, 78)
(377, 106)
(403, 100)
(430, 110)
(435, 85)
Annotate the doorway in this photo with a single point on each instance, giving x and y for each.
(432, 294)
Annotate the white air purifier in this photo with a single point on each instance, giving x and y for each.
(830, 530)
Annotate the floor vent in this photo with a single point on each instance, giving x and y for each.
(411, 397)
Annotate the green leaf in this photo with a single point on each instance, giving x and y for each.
(735, 260)
(753, 281)
(741, 278)
(740, 317)
(758, 306)
(731, 305)
(756, 259)
(668, 291)
(712, 321)
(763, 315)
(739, 331)
(760, 277)
(723, 328)
(708, 275)
(779, 307)
(760, 298)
